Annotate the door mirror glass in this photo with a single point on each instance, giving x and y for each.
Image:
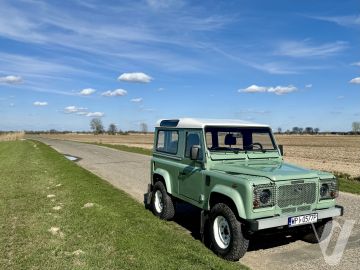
(195, 152)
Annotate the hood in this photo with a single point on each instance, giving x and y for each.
(276, 171)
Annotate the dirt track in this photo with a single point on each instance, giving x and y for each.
(130, 172)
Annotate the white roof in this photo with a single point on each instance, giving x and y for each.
(201, 123)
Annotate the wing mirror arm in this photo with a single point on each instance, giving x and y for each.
(281, 149)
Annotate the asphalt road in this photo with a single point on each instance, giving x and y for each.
(130, 172)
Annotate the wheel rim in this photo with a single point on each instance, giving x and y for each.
(222, 233)
(158, 202)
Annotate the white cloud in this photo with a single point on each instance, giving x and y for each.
(40, 103)
(95, 114)
(308, 85)
(356, 64)
(349, 20)
(74, 109)
(160, 89)
(340, 97)
(87, 91)
(115, 93)
(355, 80)
(281, 90)
(254, 89)
(11, 79)
(305, 49)
(136, 100)
(135, 77)
(278, 90)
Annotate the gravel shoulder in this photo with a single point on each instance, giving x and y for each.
(130, 172)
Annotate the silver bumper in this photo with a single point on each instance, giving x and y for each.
(266, 223)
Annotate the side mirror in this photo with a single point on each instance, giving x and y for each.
(281, 148)
(194, 152)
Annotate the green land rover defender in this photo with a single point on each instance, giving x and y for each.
(235, 173)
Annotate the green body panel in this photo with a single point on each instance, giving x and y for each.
(233, 175)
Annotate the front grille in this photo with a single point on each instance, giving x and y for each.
(296, 194)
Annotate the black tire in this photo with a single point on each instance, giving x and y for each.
(322, 231)
(237, 243)
(167, 210)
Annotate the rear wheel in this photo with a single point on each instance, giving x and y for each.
(227, 239)
(162, 204)
(319, 232)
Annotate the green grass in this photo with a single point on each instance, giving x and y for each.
(117, 233)
(348, 183)
(131, 149)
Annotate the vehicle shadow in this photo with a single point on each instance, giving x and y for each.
(188, 217)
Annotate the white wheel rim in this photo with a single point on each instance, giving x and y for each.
(222, 233)
(158, 202)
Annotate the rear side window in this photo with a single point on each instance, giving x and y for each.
(167, 141)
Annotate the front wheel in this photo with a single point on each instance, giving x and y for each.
(227, 239)
(162, 204)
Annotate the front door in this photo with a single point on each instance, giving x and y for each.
(191, 178)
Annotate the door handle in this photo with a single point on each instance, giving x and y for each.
(182, 174)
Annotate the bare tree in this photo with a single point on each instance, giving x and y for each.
(296, 130)
(112, 129)
(316, 130)
(309, 130)
(356, 126)
(143, 127)
(279, 130)
(97, 126)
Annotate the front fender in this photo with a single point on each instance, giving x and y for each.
(166, 176)
(232, 194)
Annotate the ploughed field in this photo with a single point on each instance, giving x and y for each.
(338, 153)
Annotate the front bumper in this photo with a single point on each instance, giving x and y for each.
(273, 222)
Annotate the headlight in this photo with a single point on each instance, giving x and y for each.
(264, 196)
(329, 189)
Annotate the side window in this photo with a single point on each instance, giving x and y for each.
(192, 138)
(167, 141)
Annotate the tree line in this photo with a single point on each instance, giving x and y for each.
(97, 127)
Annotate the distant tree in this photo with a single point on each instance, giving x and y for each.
(279, 130)
(309, 130)
(356, 126)
(301, 130)
(143, 128)
(316, 130)
(96, 126)
(296, 130)
(112, 129)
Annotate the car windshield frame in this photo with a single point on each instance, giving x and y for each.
(243, 130)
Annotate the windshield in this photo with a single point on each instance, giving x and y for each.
(239, 139)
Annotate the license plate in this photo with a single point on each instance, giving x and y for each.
(304, 219)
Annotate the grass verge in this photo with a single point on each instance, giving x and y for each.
(115, 233)
(348, 183)
(131, 149)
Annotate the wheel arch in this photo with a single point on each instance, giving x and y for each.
(164, 176)
(224, 194)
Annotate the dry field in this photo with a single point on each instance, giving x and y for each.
(11, 136)
(323, 152)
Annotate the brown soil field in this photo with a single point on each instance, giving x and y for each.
(11, 136)
(338, 153)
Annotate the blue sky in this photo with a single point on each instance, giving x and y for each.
(284, 63)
